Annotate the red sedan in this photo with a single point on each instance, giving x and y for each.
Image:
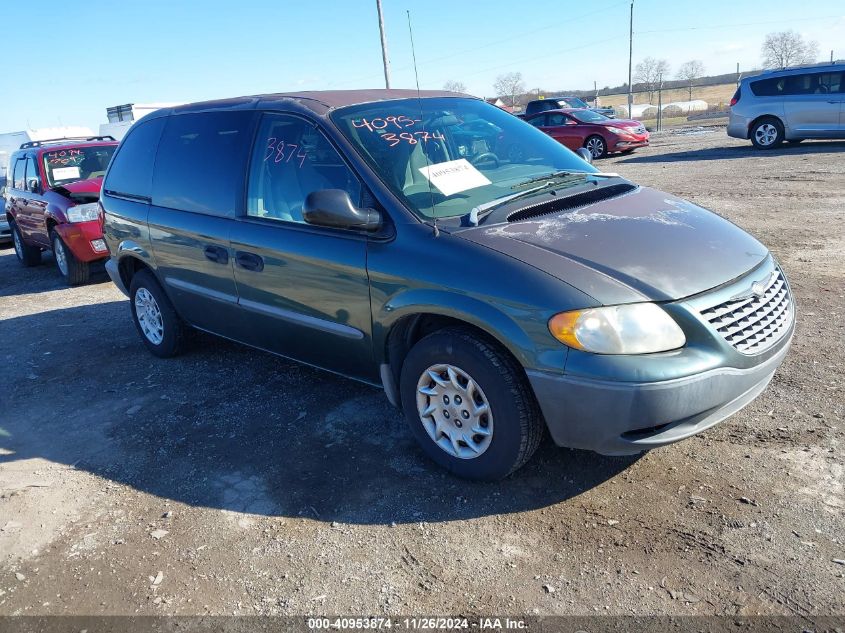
(576, 128)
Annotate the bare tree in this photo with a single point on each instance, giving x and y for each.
(689, 72)
(509, 85)
(649, 72)
(455, 86)
(788, 48)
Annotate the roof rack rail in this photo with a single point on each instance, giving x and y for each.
(51, 141)
(805, 66)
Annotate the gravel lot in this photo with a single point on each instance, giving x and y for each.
(229, 481)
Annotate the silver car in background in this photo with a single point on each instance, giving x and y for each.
(805, 102)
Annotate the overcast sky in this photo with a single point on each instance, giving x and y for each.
(96, 54)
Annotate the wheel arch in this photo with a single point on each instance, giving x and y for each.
(757, 119)
(130, 265)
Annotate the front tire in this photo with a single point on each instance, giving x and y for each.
(596, 145)
(469, 405)
(75, 272)
(161, 329)
(767, 133)
(27, 255)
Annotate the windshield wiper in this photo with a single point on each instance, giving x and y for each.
(564, 174)
(472, 218)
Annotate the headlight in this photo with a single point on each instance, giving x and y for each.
(637, 328)
(619, 131)
(82, 212)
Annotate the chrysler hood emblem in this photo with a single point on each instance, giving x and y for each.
(758, 288)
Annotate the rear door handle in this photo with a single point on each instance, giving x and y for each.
(216, 254)
(249, 261)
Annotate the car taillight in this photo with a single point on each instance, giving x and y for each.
(737, 95)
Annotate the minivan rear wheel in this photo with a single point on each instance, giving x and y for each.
(767, 133)
(469, 405)
(160, 327)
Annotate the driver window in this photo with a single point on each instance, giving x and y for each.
(291, 158)
(557, 119)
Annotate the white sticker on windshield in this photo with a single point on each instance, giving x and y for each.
(454, 176)
(65, 173)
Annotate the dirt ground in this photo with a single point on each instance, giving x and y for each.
(229, 481)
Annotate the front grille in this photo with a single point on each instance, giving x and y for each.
(752, 324)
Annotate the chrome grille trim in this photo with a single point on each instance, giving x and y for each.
(754, 324)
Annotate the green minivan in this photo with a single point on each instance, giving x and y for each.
(492, 282)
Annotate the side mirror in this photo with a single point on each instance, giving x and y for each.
(334, 208)
(585, 154)
(33, 186)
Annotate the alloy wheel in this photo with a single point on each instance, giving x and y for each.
(454, 411)
(596, 147)
(149, 316)
(766, 134)
(60, 255)
(16, 238)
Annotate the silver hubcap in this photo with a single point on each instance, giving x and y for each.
(17, 239)
(766, 134)
(60, 255)
(596, 147)
(149, 316)
(454, 411)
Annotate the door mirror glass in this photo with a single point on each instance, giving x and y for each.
(585, 154)
(334, 208)
(33, 185)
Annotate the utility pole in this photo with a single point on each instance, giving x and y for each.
(383, 46)
(630, 62)
(660, 102)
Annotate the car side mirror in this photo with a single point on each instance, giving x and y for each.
(334, 208)
(33, 186)
(585, 154)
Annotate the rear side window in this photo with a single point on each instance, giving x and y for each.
(803, 84)
(768, 87)
(131, 171)
(201, 162)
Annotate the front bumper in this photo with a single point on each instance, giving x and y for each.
(614, 418)
(78, 237)
(625, 404)
(628, 143)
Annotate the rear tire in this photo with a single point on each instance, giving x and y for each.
(596, 145)
(767, 133)
(27, 255)
(75, 272)
(484, 430)
(162, 330)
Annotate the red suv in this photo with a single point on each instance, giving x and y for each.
(576, 128)
(52, 202)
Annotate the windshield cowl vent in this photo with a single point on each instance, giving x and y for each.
(570, 202)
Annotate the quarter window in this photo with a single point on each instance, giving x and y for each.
(199, 165)
(292, 158)
(131, 171)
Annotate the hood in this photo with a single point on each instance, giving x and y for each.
(81, 191)
(624, 123)
(642, 246)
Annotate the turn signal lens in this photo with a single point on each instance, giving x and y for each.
(637, 328)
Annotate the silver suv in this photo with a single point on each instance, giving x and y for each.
(790, 105)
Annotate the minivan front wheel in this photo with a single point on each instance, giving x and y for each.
(767, 133)
(469, 406)
(161, 329)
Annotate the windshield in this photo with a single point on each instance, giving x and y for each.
(445, 156)
(70, 164)
(575, 102)
(588, 116)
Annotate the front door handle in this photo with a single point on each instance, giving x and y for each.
(249, 261)
(216, 254)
